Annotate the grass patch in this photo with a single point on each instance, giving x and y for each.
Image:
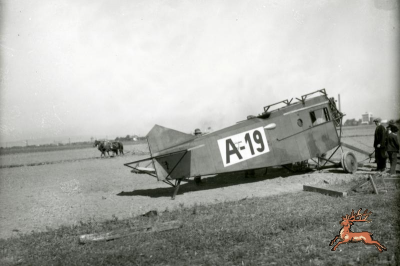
(292, 229)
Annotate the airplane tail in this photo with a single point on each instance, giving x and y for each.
(161, 138)
(166, 163)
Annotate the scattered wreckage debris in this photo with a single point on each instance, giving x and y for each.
(151, 213)
(376, 181)
(150, 228)
(325, 191)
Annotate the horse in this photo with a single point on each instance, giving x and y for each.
(119, 146)
(107, 146)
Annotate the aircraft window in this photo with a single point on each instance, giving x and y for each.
(327, 114)
(300, 123)
(319, 116)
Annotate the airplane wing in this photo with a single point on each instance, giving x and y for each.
(143, 170)
(140, 169)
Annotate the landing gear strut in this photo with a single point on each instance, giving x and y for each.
(177, 184)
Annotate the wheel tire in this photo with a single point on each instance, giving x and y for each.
(197, 180)
(349, 162)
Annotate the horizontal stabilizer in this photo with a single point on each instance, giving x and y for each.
(143, 170)
(161, 138)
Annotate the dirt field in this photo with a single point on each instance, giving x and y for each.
(74, 186)
(65, 193)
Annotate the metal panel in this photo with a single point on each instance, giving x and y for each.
(202, 162)
(321, 139)
(241, 129)
(300, 140)
(314, 137)
(286, 149)
(161, 138)
(333, 138)
(174, 166)
(245, 145)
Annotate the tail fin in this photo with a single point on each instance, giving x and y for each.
(161, 138)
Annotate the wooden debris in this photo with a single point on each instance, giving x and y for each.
(150, 228)
(151, 213)
(377, 181)
(373, 184)
(374, 181)
(354, 188)
(325, 191)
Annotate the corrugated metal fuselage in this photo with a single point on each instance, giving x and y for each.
(302, 131)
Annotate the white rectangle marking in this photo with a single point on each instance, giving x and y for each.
(243, 146)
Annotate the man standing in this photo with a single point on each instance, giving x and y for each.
(380, 145)
(392, 147)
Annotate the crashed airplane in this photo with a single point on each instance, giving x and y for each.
(296, 132)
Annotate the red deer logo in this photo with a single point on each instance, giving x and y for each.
(347, 236)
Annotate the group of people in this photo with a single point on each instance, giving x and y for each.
(386, 145)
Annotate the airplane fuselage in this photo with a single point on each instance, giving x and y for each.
(294, 133)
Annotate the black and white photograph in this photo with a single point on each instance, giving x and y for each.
(199, 132)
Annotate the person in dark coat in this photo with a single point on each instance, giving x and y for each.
(392, 147)
(380, 145)
(392, 126)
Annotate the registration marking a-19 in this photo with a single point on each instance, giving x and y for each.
(243, 146)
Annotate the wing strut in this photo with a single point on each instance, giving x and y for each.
(152, 159)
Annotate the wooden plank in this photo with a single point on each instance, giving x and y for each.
(373, 184)
(129, 232)
(325, 191)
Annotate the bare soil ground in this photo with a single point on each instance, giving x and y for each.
(48, 196)
(69, 187)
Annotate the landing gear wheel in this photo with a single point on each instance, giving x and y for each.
(197, 180)
(349, 162)
(300, 166)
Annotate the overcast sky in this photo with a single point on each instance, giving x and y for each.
(112, 68)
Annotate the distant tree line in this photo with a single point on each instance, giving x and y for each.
(47, 145)
(130, 138)
(355, 122)
(80, 143)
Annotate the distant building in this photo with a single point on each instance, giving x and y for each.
(371, 121)
(366, 118)
(351, 122)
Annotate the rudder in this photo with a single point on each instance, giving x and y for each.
(160, 138)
